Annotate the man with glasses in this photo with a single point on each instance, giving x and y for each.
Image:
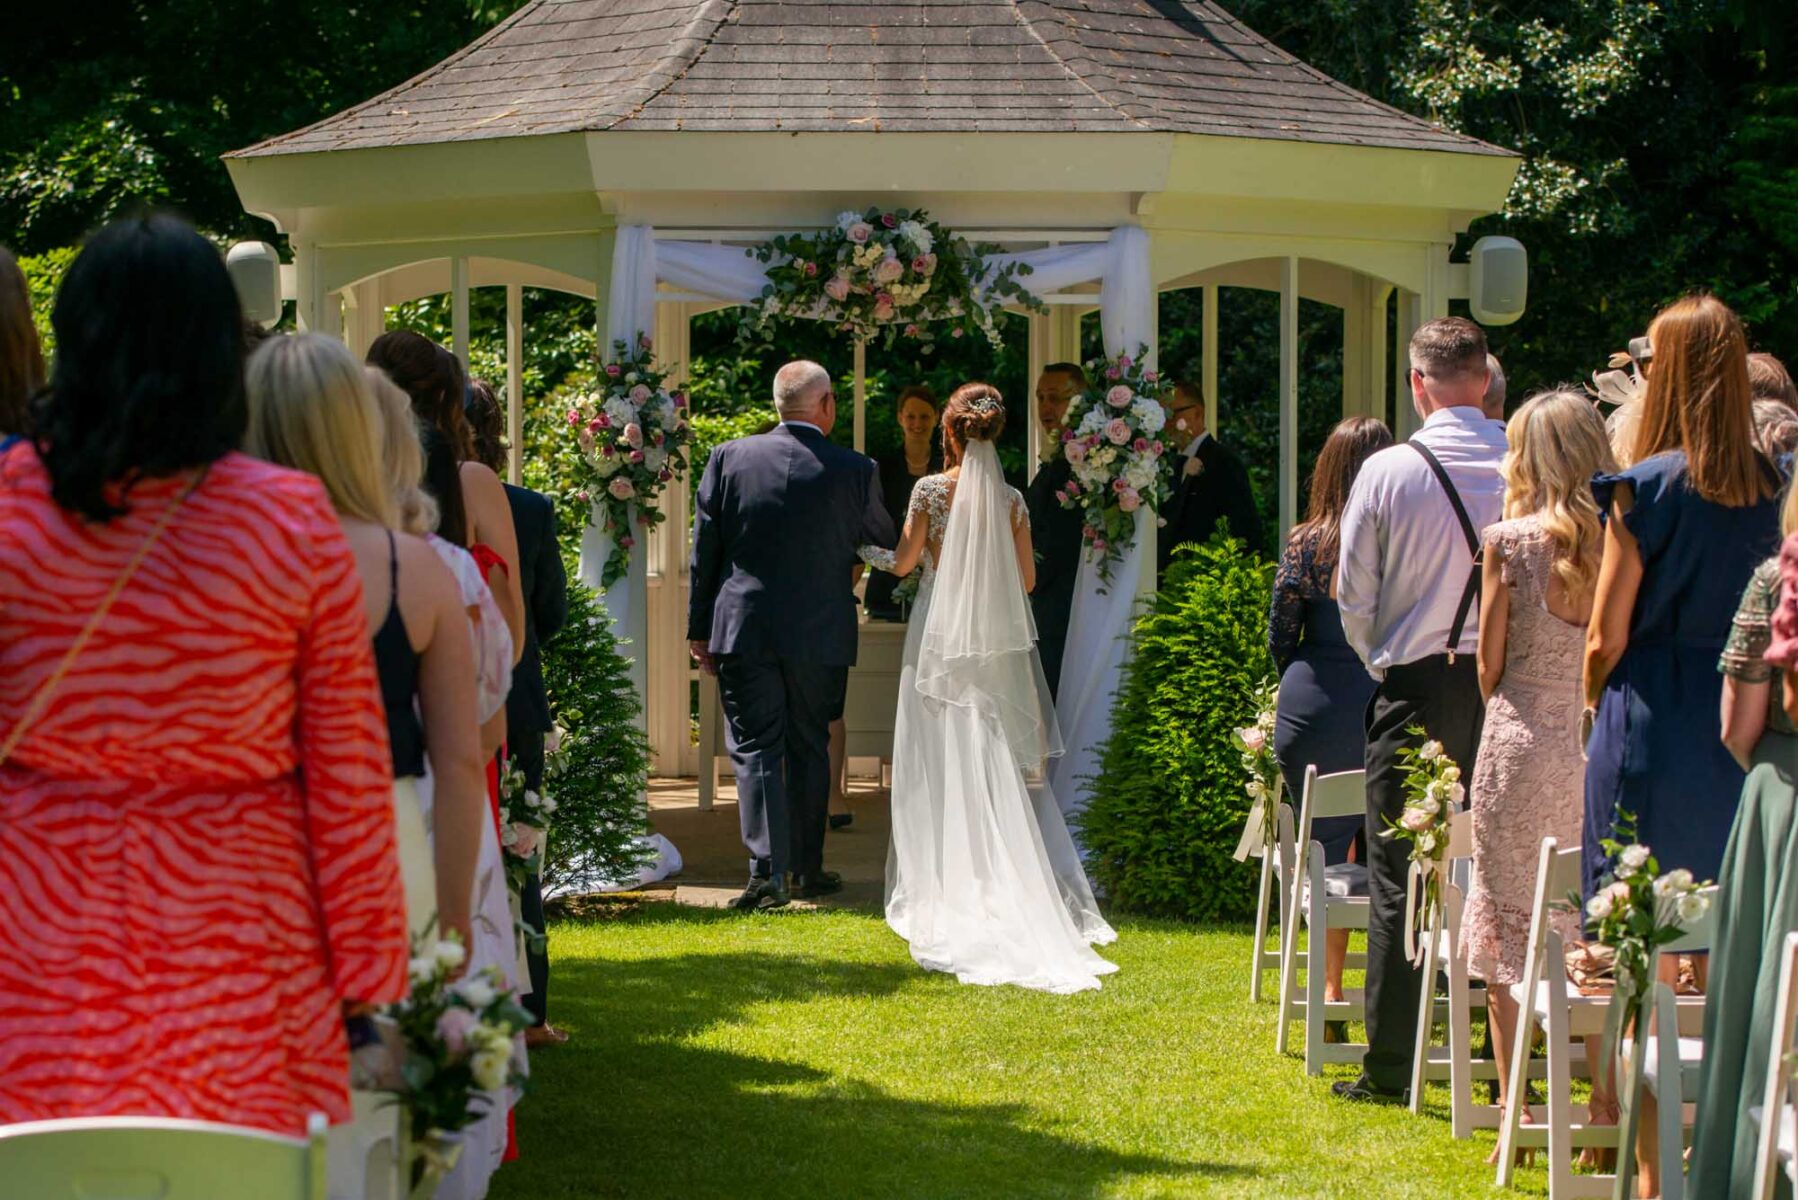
(1210, 483)
(772, 614)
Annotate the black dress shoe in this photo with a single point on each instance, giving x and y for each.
(762, 895)
(841, 820)
(822, 883)
(1365, 1091)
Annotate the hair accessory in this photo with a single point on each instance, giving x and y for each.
(984, 405)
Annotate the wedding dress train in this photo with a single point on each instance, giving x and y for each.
(983, 879)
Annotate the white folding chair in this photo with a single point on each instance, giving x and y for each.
(367, 1157)
(1664, 1060)
(1323, 898)
(148, 1158)
(1567, 1018)
(1268, 892)
(1454, 1061)
(1777, 1145)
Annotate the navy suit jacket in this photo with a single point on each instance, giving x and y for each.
(775, 531)
(545, 584)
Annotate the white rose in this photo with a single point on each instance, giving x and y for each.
(606, 465)
(1416, 819)
(654, 460)
(1458, 793)
(421, 970)
(1633, 857)
(631, 377)
(449, 954)
(1437, 790)
(621, 412)
(492, 1061)
(1599, 906)
(549, 803)
(1451, 774)
(1427, 804)
(475, 991)
(552, 741)
(919, 237)
(1253, 738)
(1432, 750)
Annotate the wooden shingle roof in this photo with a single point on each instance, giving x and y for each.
(897, 66)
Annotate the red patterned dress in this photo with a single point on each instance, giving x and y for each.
(197, 860)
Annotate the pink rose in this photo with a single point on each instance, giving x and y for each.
(911, 331)
(658, 437)
(1088, 532)
(614, 370)
(1118, 432)
(1417, 820)
(1099, 544)
(584, 496)
(626, 542)
(621, 488)
(574, 416)
(860, 232)
(888, 270)
(1252, 738)
(643, 520)
(883, 307)
(837, 288)
(1061, 497)
(633, 436)
(454, 1026)
(1076, 452)
(636, 456)
(1119, 396)
(585, 441)
(1073, 488)
(1150, 377)
(1123, 362)
(1113, 373)
(811, 270)
(957, 331)
(889, 220)
(1067, 435)
(1118, 485)
(926, 265)
(1155, 447)
(598, 423)
(1140, 445)
(606, 449)
(680, 401)
(644, 341)
(1129, 499)
(526, 840)
(665, 475)
(640, 394)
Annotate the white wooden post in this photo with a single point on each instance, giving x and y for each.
(515, 382)
(669, 675)
(1208, 361)
(1289, 394)
(1040, 341)
(861, 396)
(1404, 412)
(1354, 349)
(1377, 375)
(459, 308)
(309, 305)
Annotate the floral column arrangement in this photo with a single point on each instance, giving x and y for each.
(1112, 440)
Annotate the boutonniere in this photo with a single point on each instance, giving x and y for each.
(1193, 466)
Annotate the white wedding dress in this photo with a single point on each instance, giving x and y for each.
(983, 879)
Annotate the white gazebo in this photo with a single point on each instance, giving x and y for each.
(616, 149)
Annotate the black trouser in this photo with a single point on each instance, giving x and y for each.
(777, 715)
(526, 746)
(1444, 698)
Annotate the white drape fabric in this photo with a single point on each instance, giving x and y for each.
(1096, 647)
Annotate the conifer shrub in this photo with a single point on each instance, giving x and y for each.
(1167, 807)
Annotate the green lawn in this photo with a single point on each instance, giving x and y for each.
(803, 1055)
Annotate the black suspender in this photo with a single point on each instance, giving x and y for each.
(1472, 591)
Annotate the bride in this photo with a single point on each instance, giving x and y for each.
(982, 877)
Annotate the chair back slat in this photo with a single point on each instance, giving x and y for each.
(1696, 936)
(125, 1158)
(1341, 794)
(1460, 835)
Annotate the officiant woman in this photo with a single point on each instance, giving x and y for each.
(918, 456)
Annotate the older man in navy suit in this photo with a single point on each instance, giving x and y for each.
(772, 613)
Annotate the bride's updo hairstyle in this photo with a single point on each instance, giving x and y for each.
(975, 413)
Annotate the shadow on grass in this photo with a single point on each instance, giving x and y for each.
(633, 1107)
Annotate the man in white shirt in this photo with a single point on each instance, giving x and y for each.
(1407, 583)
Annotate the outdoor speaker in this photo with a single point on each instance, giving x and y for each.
(255, 270)
(1500, 280)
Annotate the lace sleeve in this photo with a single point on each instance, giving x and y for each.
(1286, 615)
(878, 558)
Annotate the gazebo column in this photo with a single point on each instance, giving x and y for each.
(459, 308)
(1208, 360)
(861, 396)
(1289, 394)
(1364, 348)
(364, 317)
(1404, 414)
(1374, 331)
(515, 382)
(664, 653)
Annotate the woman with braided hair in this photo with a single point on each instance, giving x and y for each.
(982, 877)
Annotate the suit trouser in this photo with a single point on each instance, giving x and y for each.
(777, 715)
(526, 747)
(1444, 698)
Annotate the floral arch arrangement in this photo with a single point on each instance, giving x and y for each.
(888, 274)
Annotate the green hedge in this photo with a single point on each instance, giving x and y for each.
(1167, 807)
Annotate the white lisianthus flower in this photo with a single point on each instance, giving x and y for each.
(1692, 907)
(1427, 803)
(1673, 883)
(532, 799)
(552, 741)
(1458, 793)
(1599, 906)
(1437, 790)
(1633, 857)
(449, 954)
(631, 377)
(422, 969)
(919, 237)
(1432, 750)
(549, 803)
(1252, 738)
(492, 1058)
(1451, 774)
(1416, 819)
(475, 991)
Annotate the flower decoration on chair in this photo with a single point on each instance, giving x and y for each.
(524, 834)
(457, 1038)
(1112, 441)
(631, 437)
(888, 274)
(1256, 741)
(1433, 790)
(1635, 913)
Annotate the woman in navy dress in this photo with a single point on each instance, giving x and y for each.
(1324, 689)
(1685, 528)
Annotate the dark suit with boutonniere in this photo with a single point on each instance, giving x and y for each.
(1055, 533)
(775, 531)
(1210, 485)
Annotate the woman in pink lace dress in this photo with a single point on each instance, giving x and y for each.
(1541, 566)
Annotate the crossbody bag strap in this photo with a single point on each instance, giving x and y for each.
(1471, 592)
(40, 699)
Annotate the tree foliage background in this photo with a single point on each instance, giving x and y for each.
(1661, 144)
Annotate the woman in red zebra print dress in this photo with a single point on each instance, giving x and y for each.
(197, 860)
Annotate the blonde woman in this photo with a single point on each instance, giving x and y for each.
(311, 408)
(1541, 568)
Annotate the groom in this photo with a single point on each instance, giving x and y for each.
(772, 615)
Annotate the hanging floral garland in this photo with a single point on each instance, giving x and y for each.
(888, 274)
(630, 438)
(1112, 440)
